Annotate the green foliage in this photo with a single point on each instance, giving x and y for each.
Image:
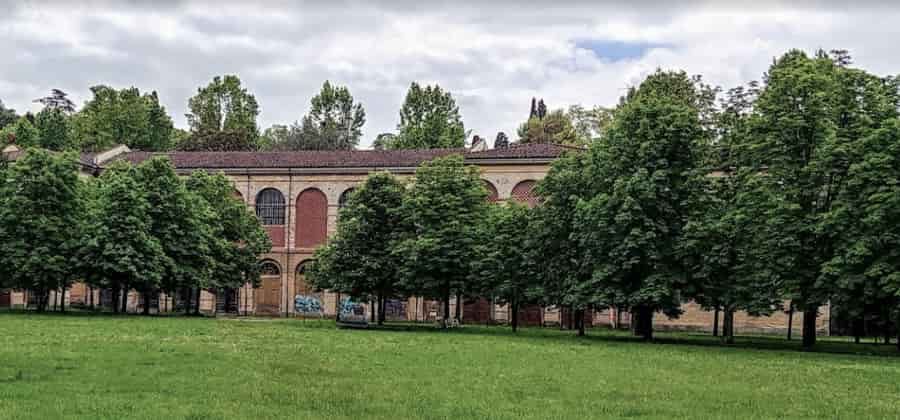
(274, 138)
(241, 238)
(41, 222)
(53, 129)
(57, 100)
(334, 121)
(444, 208)
(123, 116)
(22, 132)
(224, 106)
(359, 260)
(589, 124)
(429, 119)
(555, 127)
(120, 250)
(506, 264)
(8, 116)
(217, 141)
(384, 141)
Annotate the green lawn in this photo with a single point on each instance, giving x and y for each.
(80, 366)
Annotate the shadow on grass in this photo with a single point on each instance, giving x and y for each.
(827, 345)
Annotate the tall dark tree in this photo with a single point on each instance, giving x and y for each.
(57, 100)
(555, 127)
(360, 260)
(122, 117)
(501, 141)
(53, 129)
(8, 116)
(429, 119)
(334, 122)
(41, 223)
(444, 207)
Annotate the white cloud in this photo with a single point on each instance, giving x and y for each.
(494, 57)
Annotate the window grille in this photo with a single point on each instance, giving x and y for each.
(270, 207)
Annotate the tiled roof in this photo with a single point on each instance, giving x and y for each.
(342, 158)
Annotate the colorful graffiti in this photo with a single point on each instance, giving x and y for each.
(308, 305)
(352, 312)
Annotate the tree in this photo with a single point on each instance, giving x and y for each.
(555, 127)
(560, 275)
(57, 100)
(644, 177)
(274, 138)
(181, 222)
(41, 223)
(22, 132)
(589, 124)
(120, 251)
(384, 141)
(334, 122)
(123, 116)
(53, 129)
(444, 207)
(360, 260)
(217, 141)
(242, 239)
(8, 116)
(224, 106)
(429, 119)
(505, 266)
(501, 141)
(807, 124)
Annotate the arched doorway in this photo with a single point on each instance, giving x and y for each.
(268, 296)
(523, 193)
(312, 218)
(493, 196)
(307, 302)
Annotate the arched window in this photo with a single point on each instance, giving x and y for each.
(493, 196)
(270, 207)
(342, 201)
(312, 218)
(301, 287)
(523, 192)
(269, 268)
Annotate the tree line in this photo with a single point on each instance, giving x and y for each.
(223, 117)
(135, 227)
(781, 195)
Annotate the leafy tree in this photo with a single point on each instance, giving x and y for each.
(8, 116)
(22, 132)
(429, 119)
(180, 221)
(274, 138)
(57, 100)
(360, 260)
(444, 207)
(644, 177)
(122, 117)
(561, 277)
(384, 141)
(120, 249)
(41, 223)
(589, 124)
(242, 239)
(334, 122)
(555, 127)
(501, 141)
(224, 106)
(806, 126)
(217, 141)
(53, 129)
(506, 264)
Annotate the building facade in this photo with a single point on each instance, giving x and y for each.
(297, 197)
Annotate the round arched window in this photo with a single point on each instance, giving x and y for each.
(270, 207)
(269, 268)
(523, 192)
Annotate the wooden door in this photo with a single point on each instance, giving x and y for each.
(268, 297)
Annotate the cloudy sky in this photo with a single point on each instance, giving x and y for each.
(493, 56)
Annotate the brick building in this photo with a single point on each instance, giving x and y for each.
(297, 196)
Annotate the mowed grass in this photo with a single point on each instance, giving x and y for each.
(70, 366)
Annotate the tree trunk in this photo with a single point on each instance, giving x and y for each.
(514, 316)
(146, 302)
(446, 308)
(91, 297)
(125, 299)
(728, 325)
(716, 322)
(857, 329)
(115, 298)
(644, 322)
(381, 310)
(197, 302)
(374, 305)
(458, 308)
(809, 327)
(62, 301)
(790, 321)
(580, 315)
(55, 298)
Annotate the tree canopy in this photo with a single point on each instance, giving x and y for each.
(123, 116)
(429, 118)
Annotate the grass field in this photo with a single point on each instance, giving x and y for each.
(71, 366)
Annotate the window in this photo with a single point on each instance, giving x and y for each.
(270, 207)
(523, 192)
(493, 196)
(342, 201)
(269, 268)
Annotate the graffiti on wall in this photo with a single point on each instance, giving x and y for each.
(352, 312)
(308, 305)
